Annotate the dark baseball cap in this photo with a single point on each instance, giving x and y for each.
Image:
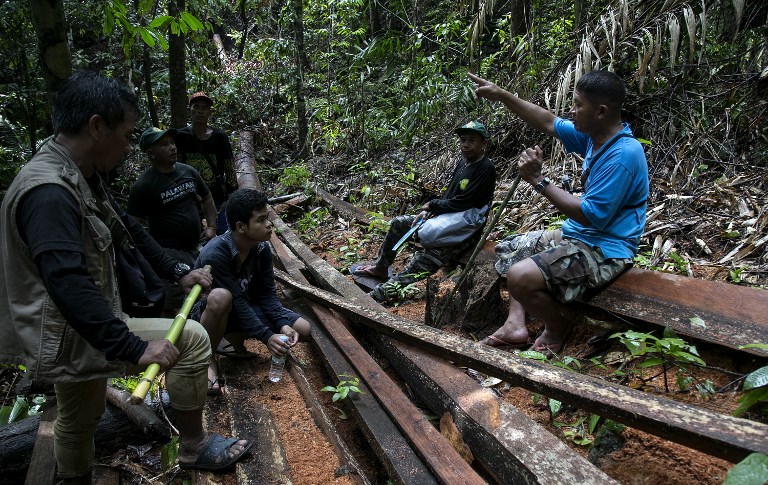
(152, 134)
(200, 96)
(475, 126)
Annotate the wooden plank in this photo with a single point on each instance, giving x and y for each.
(323, 421)
(444, 461)
(390, 446)
(466, 399)
(42, 465)
(266, 463)
(730, 315)
(717, 434)
(513, 447)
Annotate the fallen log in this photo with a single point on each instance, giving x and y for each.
(244, 167)
(114, 431)
(713, 433)
(140, 414)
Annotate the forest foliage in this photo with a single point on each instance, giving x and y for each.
(385, 82)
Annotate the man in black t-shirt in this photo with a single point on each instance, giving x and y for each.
(208, 151)
(471, 186)
(166, 196)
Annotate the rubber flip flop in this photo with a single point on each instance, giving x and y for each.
(367, 271)
(229, 351)
(550, 349)
(214, 391)
(216, 448)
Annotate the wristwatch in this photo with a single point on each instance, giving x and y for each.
(180, 270)
(539, 187)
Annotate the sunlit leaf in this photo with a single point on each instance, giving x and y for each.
(752, 470)
(758, 378)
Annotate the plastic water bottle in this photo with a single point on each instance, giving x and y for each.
(278, 364)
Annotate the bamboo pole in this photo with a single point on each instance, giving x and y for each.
(173, 333)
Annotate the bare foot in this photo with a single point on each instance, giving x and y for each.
(509, 334)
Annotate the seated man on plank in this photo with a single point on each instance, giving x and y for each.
(472, 186)
(600, 237)
(243, 303)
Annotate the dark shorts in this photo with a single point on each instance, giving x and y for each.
(287, 317)
(570, 267)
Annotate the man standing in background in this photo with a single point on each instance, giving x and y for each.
(207, 150)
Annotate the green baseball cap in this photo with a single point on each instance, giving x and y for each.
(151, 135)
(475, 126)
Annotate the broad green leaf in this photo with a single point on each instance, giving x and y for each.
(191, 20)
(752, 470)
(328, 389)
(160, 21)
(5, 413)
(697, 321)
(650, 362)
(554, 406)
(758, 378)
(168, 454)
(644, 141)
(19, 410)
(593, 420)
(749, 399)
(532, 354)
(146, 36)
(754, 346)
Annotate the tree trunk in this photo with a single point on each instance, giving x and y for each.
(177, 70)
(244, 18)
(374, 19)
(301, 107)
(51, 31)
(579, 8)
(146, 71)
(521, 17)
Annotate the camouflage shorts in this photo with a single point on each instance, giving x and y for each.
(569, 267)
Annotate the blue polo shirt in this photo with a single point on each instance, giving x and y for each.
(616, 191)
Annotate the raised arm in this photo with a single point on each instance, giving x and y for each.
(536, 116)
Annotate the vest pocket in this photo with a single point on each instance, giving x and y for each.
(99, 232)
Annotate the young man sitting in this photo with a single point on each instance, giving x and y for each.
(243, 302)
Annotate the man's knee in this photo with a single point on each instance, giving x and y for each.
(303, 328)
(219, 302)
(524, 277)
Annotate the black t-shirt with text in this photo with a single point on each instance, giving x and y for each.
(169, 204)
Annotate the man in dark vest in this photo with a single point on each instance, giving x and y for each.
(60, 310)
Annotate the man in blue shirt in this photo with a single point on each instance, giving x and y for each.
(600, 237)
(243, 302)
